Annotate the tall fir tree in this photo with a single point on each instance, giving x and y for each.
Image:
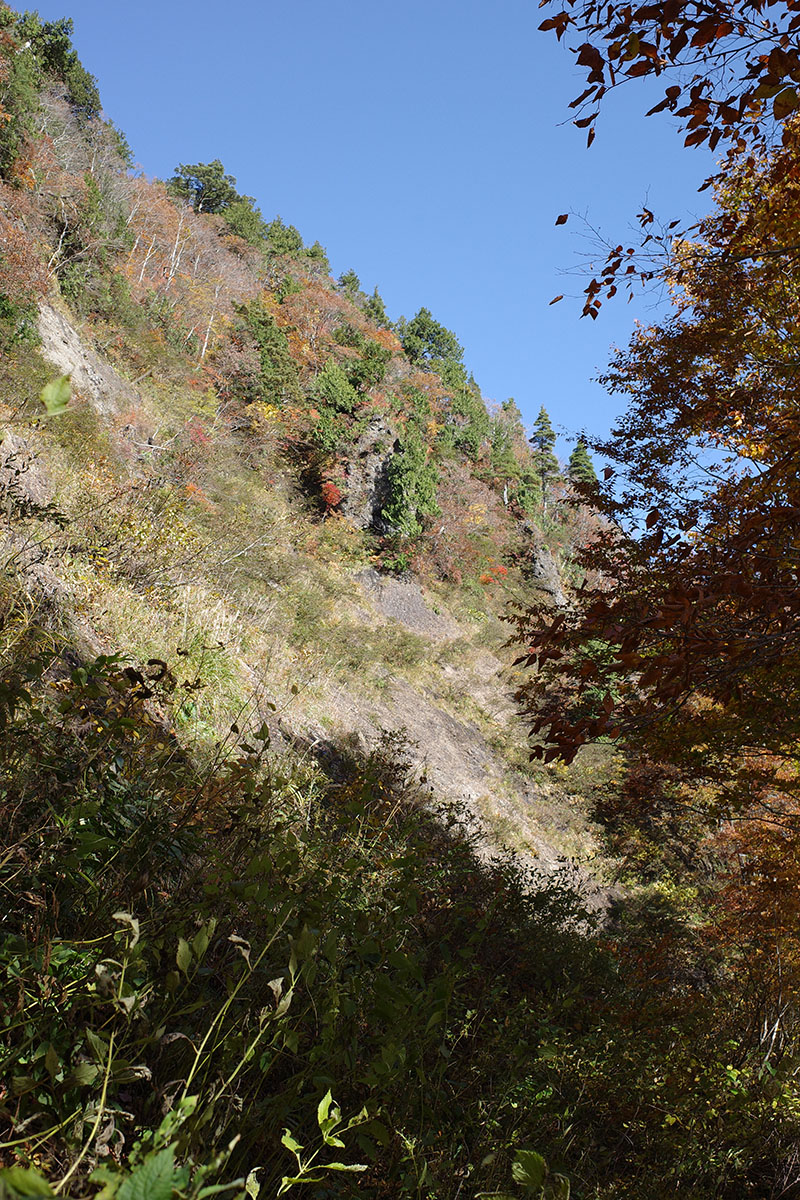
(279, 378)
(580, 468)
(350, 285)
(545, 463)
(318, 255)
(376, 310)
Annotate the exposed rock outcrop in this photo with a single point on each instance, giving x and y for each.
(24, 487)
(543, 570)
(366, 473)
(92, 378)
(403, 601)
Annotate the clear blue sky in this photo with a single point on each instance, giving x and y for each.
(427, 146)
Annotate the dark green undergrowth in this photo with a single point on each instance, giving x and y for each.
(256, 976)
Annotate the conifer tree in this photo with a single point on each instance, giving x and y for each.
(545, 463)
(279, 378)
(412, 481)
(283, 239)
(428, 344)
(580, 468)
(350, 284)
(245, 220)
(376, 310)
(318, 255)
(205, 186)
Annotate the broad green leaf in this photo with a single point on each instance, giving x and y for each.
(359, 1119)
(529, 1169)
(20, 1084)
(341, 1167)
(111, 1181)
(200, 942)
(290, 1143)
(329, 1118)
(290, 1180)
(784, 103)
(23, 1182)
(305, 944)
(98, 1044)
(52, 1061)
(323, 1108)
(251, 1184)
(216, 1189)
(153, 1180)
(84, 1073)
(183, 956)
(55, 395)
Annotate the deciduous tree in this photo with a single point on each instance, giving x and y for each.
(697, 587)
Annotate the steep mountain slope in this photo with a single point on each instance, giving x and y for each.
(257, 471)
(345, 652)
(259, 757)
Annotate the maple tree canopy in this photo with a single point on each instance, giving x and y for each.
(687, 638)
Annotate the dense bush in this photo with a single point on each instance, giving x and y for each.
(194, 960)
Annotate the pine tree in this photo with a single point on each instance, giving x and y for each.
(376, 311)
(205, 186)
(545, 463)
(283, 239)
(318, 255)
(245, 220)
(350, 285)
(411, 483)
(580, 468)
(279, 378)
(428, 344)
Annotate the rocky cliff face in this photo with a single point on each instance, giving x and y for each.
(92, 377)
(457, 728)
(366, 473)
(543, 571)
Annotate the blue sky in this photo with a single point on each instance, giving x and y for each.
(428, 146)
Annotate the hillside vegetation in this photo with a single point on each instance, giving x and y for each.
(285, 904)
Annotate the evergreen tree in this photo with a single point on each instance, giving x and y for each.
(580, 468)
(21, 81)
(334, 399)
(279, 378)
(245, 220)
(350, 285)
(507, 442)
(318, 255)
(428, 343)
(376, 311)
(208, 189)
(50, 43)
(469, 420)
(205, 186)
(545, 463)
(503, 463)
(412, 481)
(368, 371)
(283, 239)
(333, 388)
